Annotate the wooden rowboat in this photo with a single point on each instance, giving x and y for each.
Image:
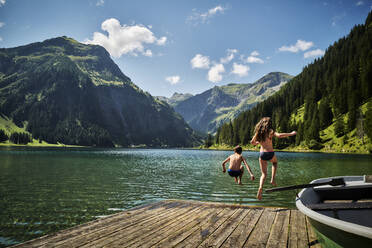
(341, 215)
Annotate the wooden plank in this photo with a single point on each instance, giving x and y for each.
(313, 239)
(160, 232)
(217, 238)
(201, 232)
(244, 229)
(144, 210)
(298, 231)
(180, 230)
(180, 236)
(178, 223)
(127, 234)
(111, 230)
(261, 232)
(280, 229)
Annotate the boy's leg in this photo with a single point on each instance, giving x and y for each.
(263, 167)
(274, 161)
(241, 174)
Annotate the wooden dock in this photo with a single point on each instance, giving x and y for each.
(175, 223)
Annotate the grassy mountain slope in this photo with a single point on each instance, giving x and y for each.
(208, 110)
(328, 103)
(72, 93)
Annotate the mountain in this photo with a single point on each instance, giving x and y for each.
(63, 91)
(208, 110)
(329, 103)
(175, 98)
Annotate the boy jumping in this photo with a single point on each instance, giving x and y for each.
(236, 168)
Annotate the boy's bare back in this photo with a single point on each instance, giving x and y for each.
(235, 161)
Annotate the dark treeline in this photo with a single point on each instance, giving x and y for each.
(3, 136)
(336, 84)
(20, 138)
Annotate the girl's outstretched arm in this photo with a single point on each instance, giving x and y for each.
(254, 140)
(283, 135)
(248, 168)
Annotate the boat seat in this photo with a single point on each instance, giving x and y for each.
(339, 206)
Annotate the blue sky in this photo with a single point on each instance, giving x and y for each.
(189, 46)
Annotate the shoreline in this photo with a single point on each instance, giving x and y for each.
(213, 148)
(294, 149)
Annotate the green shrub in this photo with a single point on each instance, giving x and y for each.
(315, 145)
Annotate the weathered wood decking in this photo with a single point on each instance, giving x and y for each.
(175, 223)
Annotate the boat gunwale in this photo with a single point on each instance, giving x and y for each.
(333, 222)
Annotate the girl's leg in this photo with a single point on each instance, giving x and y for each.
(263, 166)
(274, 161)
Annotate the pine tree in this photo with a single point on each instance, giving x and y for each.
(339, 127)
(208, 141)
(368, 120)
(325, 114)
(3, 136)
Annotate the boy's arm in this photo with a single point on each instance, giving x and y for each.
(224, 164)
(248, 168)
(283, 135)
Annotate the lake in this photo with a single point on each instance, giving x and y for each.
(43, 190)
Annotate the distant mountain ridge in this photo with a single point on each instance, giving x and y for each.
(175, 98)
(68, 92)
(205, 112)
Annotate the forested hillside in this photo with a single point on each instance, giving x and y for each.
(328, 103)
(63, 91)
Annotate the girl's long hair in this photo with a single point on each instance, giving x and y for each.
(263, 129)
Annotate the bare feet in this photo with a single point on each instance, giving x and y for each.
(273, 183)
(236, 179)
(259, 194)
(239, 182)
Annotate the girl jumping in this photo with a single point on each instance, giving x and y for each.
(263, 135)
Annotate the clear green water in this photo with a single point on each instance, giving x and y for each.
(45, 190)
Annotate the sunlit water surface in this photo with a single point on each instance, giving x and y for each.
(45, 190)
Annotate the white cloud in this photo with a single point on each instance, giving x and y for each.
(2, 2)
(359, 3)
(125, 39)
(214, 74)
(240, 70)
(255, 53)
(1, 39)
(204, 17)
(252, 59)
(314, 53)
(148, 53)
(300, 45)
(161, 41)
(173, 79)
(100, 3)
(2, 24)
(230, 56)
(200, 61)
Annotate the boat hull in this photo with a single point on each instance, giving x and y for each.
(331, 237)
(337, 227)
